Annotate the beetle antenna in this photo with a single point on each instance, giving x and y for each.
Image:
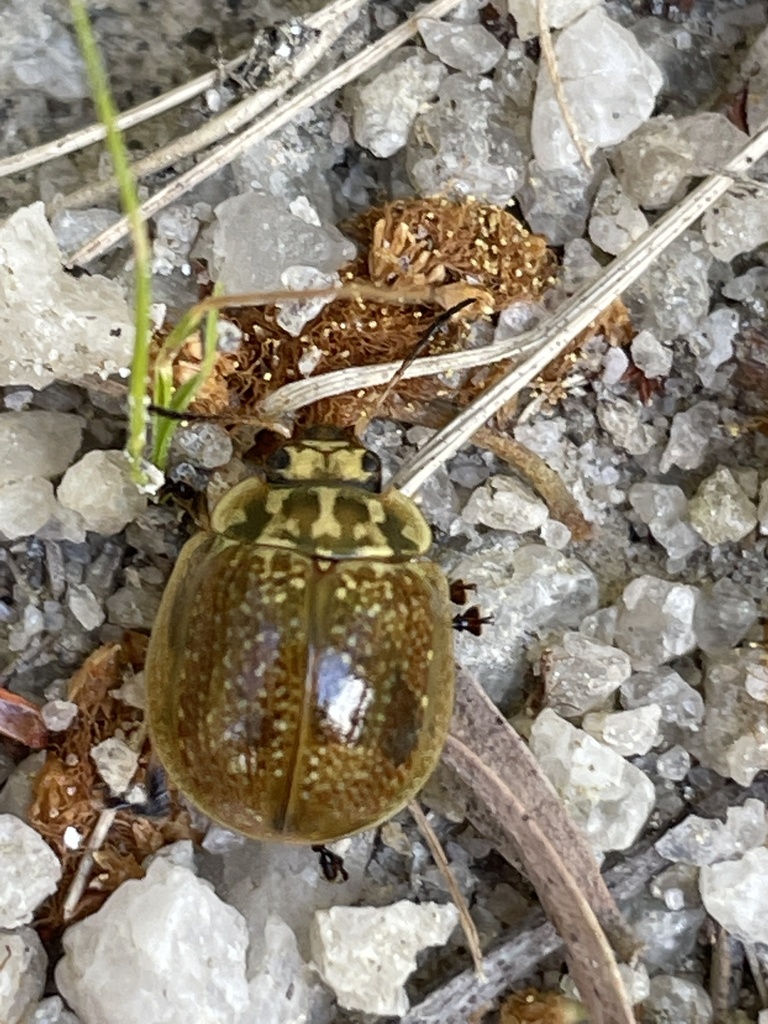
(421, 345)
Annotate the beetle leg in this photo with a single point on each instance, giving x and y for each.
(158, 802)
(331, 864)
(471, 621)
(458, 591)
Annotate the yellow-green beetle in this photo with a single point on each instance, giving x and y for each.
(300, 671)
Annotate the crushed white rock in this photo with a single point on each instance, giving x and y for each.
(52, 324)
(366, 954)
(29, 871)
(22, 978)
(100, 489)
(163, 948)
(610, 798)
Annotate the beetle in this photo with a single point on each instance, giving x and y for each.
(300, 670)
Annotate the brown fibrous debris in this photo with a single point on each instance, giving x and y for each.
(464, 248)
(69, 792)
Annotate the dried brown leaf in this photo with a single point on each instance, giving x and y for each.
(20, 720)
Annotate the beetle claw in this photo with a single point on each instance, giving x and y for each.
(471, 621)
(458, 591)
(331, 864)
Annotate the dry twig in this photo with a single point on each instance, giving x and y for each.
(439, 857)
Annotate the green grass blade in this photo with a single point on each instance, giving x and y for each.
(105, 108)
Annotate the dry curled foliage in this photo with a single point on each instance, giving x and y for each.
(68, 791)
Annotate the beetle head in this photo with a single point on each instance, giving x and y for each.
(324, 457)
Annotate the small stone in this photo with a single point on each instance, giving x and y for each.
(556, 203)
(627, 732)
(206, 444)
(22, 978)
(607, 796)
(616, 220)
(469, 48)
(674, 764)
(664, 508)
(677, 886)
(735, 893)
(38, 444)
(294, 316)
(624, 422)
(300, 238)
(53, 325)
(673, 296)
(615, 365)
(468, 143)
(162, 948)
(73, 839)
(366, 954)
(610, 86)
(690, 437)
(579, 266)
(681, 705)
(555, 535)
(116, 763)
(83, 604)
(669, 937)
(674, 1000)
(29, 871)
(650, 356)
(99, 487)
(737, 223)
(712, 344)
(17, 793)
(750, 288)
(635, 982)
(724, 616)
(655, 621)
(700, 841)
(25, 507)
(280, 985)
(504, 503)
(733, 739)
(720, 511)
(73, 228)
(656, 163)
(580, 675)
(133, 607)
(762, 509)
(756, 682)
(220, 840)
(58, 714)
(384, 108)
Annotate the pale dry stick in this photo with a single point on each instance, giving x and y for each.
(439, 857)
(548, 53)
(227, 151)
(576, 314)
(294, 396)
(96, 841)
(330, 22)
(85, 137)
